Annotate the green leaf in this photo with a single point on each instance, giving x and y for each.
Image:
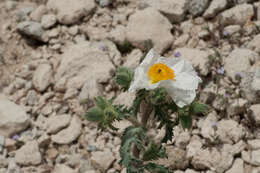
(156, 168)
(124, 77)
(94, 114)
(101, 102)
(186, 121)
(199, 108)
(154, 152)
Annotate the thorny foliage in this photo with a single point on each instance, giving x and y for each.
(105, 113)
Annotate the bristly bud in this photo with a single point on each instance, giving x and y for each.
(124, 77)
(95, 114)
(199, 108)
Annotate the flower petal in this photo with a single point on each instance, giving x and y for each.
(186, 81)
(180, 97)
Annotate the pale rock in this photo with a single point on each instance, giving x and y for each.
(118, 34)
(216, 161)
(254, 44)
(255, 112)
(174, 10)
(42, 77)
(32, 98)
(144, 27)
(13, 167)
(237, 15)
(3, 162)
(28, 154)
(254, 143)
(234, 149)
(176, 158)
(52, 153)
(250, 85)
(61, 168)
(133, 59)
(194, 146)
(73, 30)
(69, 134)
(37, 14)
(13, 118)
(19, 83)
(196, 8)
(48, 21)
(182, 140)
(121, 125)
(102, 159)
(181, 41)
(44, 140)
(197, 57)
(237, 107)
(215, 7)
(125, 98)
(178, 171)
(208, 127)
(229, 131)
(257, 6)
(69, 11)
(231, 30)
(32, 30)
(237, 167)
(190, 171)
(239, 61)
(255, 157)
(80, 65)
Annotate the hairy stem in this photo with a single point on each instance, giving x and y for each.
(145, 114)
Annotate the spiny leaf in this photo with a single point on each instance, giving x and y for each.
(186, 121)
(199, 108)
(154, 152)
(156, 168)
(94, 114)
(124, 77)
(101, 102)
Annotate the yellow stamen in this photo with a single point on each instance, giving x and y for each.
(159, 71)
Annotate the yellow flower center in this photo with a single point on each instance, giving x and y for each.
(159, 71)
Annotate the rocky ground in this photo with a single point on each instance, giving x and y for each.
(56, 53)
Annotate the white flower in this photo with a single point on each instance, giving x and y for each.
(175, 74)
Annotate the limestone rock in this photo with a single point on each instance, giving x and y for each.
(229, 131)
(42, 77)
(37, 14)
(69, 11)
(48, 21)
(174, 10)
(238, 62)
(254, 44)
(255, 143)
(237, 107)
(28, 154)
(196, 8)
(102, 159)
(69, 134)
(56, 123)
(208, 127)
(237, 167)
(176, 158)
(143, 26)
(125, 98)
(255, 113)
(215, 7)
(182, 140)
(13, 118)
(81, 65)
(32, 29)
(237, 15)
(197, 57)
(250, 85)
(255, 157)
(216, 161)
(61, 168)
(133, 59)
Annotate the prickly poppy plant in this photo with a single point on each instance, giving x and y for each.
(163, 87)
